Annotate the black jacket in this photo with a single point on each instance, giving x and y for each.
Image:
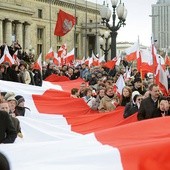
(148, 109)
(7, 130)
(130, 109)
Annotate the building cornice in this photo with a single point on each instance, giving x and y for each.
(71, 5)
(14, 8)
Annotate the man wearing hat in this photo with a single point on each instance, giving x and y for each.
(20, 109)
(138, 86)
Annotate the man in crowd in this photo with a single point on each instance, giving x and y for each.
(8, 133)
(4, 106)
(138, 86)
(149, 106)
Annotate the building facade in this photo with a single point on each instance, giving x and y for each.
(32, 23)
(161, 23)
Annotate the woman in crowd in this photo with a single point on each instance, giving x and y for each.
(100, 95)
(133, 106)
(14, 73)
(88, 98)
(24, 75)
(126, 96)
(110, 100)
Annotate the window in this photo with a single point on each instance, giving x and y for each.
(39, 48)
(77, 36)
(59, 39)
(39, 13)
(40, 33)
(91, 21)
(58, 47)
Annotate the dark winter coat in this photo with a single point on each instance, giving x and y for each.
(8, 133)
(148, 109)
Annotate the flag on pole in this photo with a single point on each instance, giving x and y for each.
(69, 58)
(167, 59)
(131, 52)
(111, 63)
(162, 79)
(64, 23)
(50, 54)
(120, 84)
(38, 63)
(7, 57)
(62, 51)
(15, 57)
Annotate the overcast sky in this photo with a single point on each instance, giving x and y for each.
(138, 21)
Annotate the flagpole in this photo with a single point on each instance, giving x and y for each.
(50, 19)
(152, 52)
(86, 33)
(75, 14)
(96, 29)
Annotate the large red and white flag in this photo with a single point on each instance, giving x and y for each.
(64, 23)
(50, 54)
(55, 137)
(7, 57)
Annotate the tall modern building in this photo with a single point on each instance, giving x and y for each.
(161, 23)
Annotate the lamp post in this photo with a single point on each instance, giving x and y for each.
(105, 13)
(105, 43)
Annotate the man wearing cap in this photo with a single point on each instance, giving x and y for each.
(138, 86)
(20, 109)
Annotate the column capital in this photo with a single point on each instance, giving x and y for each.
(18, 21)
(27, 23)
(2, 18)
(8, 20)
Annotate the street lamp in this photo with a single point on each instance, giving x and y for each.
(105, 13)
(105, 45)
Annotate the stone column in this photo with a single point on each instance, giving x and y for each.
(19, 33)
(8, 32)
(27, 36)
(1, 32)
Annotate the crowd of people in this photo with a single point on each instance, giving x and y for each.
(98, 90)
